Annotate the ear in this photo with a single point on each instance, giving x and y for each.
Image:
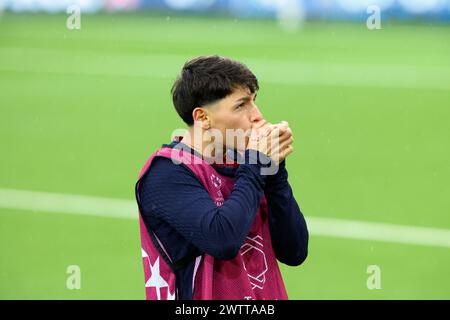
(199, 114)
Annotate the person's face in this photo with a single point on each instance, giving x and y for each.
(238, 110)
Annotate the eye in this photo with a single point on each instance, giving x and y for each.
(240, 105)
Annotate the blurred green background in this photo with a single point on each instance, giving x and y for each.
(81, 111)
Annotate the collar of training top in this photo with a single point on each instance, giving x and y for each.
(227, 169)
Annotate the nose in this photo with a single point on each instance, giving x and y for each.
(256, 115)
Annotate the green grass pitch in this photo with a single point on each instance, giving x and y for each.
(81, 110)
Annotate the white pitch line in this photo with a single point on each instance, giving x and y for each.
(166, 66)
(67, 203)
(127, 209)
(352, 229)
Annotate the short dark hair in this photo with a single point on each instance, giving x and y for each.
(206, 79)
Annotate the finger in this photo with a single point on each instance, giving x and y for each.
(267, 127)
(284, 124)
(288, 150)
(274, 133)
(259, 124)
(266, 131)
(285, 134)
(286, 131)
(278, 140)
(286, 143)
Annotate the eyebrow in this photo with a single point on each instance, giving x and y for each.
(245, 98)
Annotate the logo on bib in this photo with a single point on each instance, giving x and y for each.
(156, 280)
(217, 182)
(255, 262)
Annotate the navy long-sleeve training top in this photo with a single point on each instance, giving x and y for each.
(176, 206)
